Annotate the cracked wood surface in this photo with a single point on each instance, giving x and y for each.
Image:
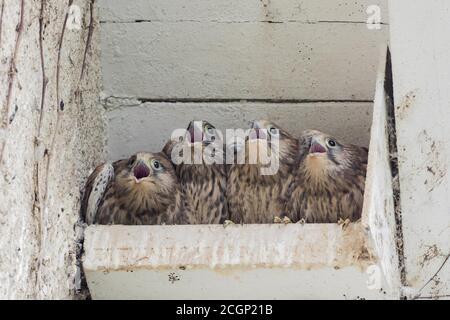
(273, 50)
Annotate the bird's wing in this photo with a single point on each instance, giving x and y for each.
(364, 154)
(96, 186)
(360, 158)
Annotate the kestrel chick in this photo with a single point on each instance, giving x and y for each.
(140, 190)
(254, 193)
(329, 180)
(202, 179)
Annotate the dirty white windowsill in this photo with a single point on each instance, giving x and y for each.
(237, 262)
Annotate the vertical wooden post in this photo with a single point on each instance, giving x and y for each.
(421, 74)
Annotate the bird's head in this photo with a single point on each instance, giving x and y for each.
(324, 154)
(149, 171)
(274, 137)
(200, 132)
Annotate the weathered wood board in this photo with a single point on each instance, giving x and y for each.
(421, 72)
(237, 262)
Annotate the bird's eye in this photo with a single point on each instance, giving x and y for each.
(156, 165)
(209, 129)
(331, 143)
(273, 131)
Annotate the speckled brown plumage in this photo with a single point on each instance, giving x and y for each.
(329, 180)
(256, 198)
(140, 190)
(203, 185)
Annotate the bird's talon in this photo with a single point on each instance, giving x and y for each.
(302, 221)
(277, 219)
(286, 220)
(227, 223)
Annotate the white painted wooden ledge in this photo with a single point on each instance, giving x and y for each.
(240, 262)
(258, 261)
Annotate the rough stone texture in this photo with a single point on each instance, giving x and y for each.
(44, 163)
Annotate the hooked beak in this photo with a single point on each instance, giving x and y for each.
(257, 132)
(316, 147)
(141, 170)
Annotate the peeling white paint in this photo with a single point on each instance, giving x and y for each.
(121, 247)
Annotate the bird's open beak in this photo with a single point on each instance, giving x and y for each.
(141, 170)
(257, 132)
(316, 147)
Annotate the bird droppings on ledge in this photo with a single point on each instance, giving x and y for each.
(431, 253)
(173, 277)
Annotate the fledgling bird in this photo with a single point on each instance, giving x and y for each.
(140, 190)
(254, 197)
(328, 184)
(203, 182)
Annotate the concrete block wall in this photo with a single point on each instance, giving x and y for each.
(303, 64)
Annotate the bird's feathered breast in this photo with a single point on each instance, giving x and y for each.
(254, 197)
(322, 174)
(203, 186)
